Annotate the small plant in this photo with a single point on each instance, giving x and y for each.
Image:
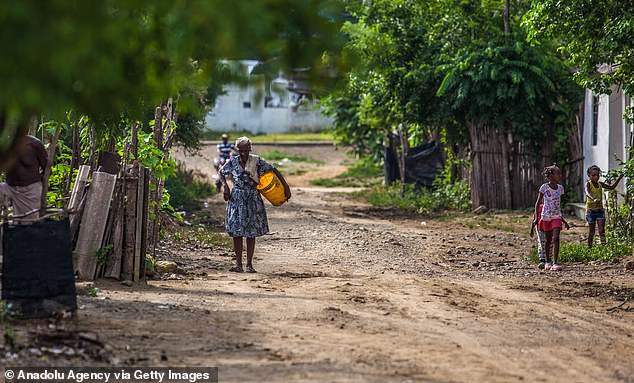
(150, 264)
(5, 318)
(93, 291)
(102, 254)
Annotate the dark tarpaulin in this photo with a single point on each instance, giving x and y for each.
(37, 269)
(422, 164)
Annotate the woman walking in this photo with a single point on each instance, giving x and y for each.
(246, 215)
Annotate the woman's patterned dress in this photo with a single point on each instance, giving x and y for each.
(246, 215)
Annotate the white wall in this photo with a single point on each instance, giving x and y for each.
(230, 113)
(613, 133)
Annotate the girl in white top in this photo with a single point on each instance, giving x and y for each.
(551, 218)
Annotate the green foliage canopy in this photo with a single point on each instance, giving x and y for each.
(105, 58)
(597, 36)
(433, 64)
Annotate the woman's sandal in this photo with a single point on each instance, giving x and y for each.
(236, 269)
(555, 267)
(250, 269)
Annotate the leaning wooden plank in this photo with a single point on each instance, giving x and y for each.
(78, 188)
(131, 187)
(93, 223)
(138, 235)
(113, 266)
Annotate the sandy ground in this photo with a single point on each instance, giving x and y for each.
(350, 293)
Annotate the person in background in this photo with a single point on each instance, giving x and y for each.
(225, 151)
(23, 186)
(551, 219)
(595, 214)
(246, 214)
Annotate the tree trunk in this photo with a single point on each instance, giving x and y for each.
(164, 136)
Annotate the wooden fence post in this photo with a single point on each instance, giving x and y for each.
(139, 252)
(131, 186)
(113, 267)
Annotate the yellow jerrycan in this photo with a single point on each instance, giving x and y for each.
(271, 188)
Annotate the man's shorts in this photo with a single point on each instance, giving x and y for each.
(593, 216)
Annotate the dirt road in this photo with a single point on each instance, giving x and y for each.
(350, 293)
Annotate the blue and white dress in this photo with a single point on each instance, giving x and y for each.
(246, 215)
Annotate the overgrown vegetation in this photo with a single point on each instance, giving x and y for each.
(615, 247)
(186, 191)
(463, 70)
(112, 58)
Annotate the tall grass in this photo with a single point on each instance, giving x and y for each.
(579, 252)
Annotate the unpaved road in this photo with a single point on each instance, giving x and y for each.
(350, 293)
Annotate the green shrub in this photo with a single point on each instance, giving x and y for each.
(455, 196)
(186, 191)
(391, 196)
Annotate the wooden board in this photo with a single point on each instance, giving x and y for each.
(78, 188)
(139, 256)
(93, 223)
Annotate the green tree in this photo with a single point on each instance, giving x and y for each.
(394, 80)
(594, 34)
(465, 68)
(515, 99)
(112, 57)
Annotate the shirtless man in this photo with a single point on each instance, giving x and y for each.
(23, 184)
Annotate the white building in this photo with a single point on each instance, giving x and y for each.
(281, 104)
(606, 134)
